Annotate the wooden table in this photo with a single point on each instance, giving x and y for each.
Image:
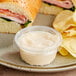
(4, 71)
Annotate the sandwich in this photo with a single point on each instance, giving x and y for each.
(54, 7)
(17, 14)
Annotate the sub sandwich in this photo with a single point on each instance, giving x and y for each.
(54, 7)
(17, 14)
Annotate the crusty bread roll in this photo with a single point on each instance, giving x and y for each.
(28, 8)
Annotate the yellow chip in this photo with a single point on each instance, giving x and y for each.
(74, 16)
(70, 45)
(74, 2)
(63, 51)
(70, 32)
(63, 20)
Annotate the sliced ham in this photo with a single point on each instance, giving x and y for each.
(61, 3)
(5, 13)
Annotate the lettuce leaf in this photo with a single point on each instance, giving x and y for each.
(26, 24)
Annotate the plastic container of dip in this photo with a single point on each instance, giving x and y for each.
(38, 44)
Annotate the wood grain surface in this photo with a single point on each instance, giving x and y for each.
(5, 71)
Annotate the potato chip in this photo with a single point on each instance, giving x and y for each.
(74, 2)
(70, 32)
(63, 51)
(63, 20)
(74, 17)
(65, 23)
(70, 45)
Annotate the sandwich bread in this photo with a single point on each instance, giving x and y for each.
(16, 14)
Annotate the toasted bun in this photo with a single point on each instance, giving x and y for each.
(10, 26)
(50, 9)
(29, 8)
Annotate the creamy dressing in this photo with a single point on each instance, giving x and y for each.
(36, 40)
(38, 44)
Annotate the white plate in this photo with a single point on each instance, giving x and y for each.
(9, 53)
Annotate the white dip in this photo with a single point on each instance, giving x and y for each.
(37, 40)
(38, 44)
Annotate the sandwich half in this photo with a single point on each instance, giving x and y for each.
(54, 7)
(17, 14)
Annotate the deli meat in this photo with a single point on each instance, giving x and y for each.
(61, 3)
(5, 13)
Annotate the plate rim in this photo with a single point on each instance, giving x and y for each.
(37, 69)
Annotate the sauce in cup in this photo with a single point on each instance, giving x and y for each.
(38, 44)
